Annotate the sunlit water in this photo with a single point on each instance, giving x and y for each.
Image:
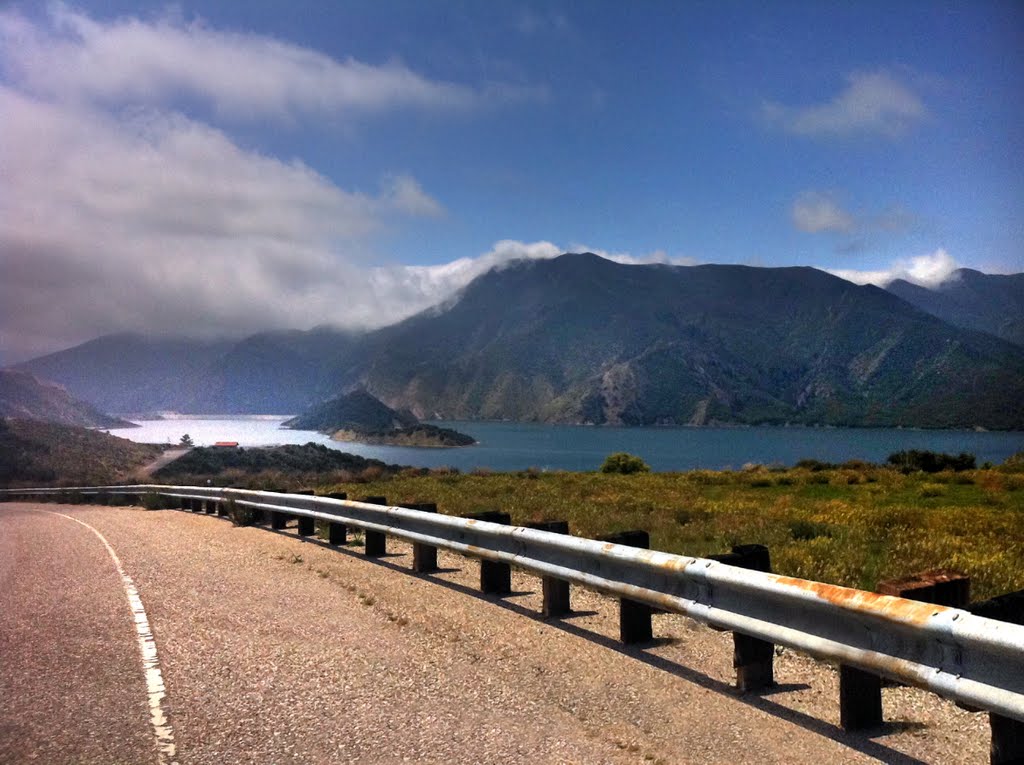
(517, 446)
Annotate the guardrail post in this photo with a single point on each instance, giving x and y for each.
(278, 520)
(337, 533)
(1007, 740)
(211, 506)
(752, 657)
(556, 591)
(495, 577)
(860, 699)
(307, 526)
(1007, 734)
(860, 692)
(376, 541)
(424, 557)
(634, 618)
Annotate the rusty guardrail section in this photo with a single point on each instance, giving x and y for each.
(976, 661)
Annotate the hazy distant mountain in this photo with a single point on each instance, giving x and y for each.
(268, 373)
(25, 397)
(991, 303)
(582, 339)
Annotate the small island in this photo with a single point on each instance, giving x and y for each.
(358, 416)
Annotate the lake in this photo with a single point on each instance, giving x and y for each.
(517, 446)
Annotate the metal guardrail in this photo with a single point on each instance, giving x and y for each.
(975, 661)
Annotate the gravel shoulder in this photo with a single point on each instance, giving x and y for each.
(278, 649)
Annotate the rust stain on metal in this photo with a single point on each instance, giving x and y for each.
(908, 611)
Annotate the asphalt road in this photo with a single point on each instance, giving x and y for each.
(275, 649)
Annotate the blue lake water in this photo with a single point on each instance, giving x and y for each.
(517, 446)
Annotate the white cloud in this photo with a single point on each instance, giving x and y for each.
(117, 214)
(628, 259)
(929, 270)
(244, 76)
(871, 102)
(404, 193)
(815, 212)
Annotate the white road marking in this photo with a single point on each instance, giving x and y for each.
(147, 646)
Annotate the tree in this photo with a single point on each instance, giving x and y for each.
(186, 440)
(624, 463)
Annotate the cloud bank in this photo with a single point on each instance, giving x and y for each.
(871, 103)
(119, 211)
(928, 270)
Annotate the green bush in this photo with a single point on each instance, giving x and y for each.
(154, 501)
(240, 515)
(913, 460)
(624, 463)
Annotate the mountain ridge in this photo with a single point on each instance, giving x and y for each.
(581, 339)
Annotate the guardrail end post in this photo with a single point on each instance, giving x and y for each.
(555, 591)
(634, 617)
(860, 699)
(1007, 740)
(424, 556)
(495, 577)
(376, 541)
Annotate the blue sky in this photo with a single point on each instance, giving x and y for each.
(250, 165)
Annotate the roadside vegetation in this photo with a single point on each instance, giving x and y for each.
(854, 524)
(34, 453)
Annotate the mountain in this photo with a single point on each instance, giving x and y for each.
(580, 339)
(992, 303)
(357, 410)
(25, 397)
(268, 373)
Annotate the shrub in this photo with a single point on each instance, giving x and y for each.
(624, 463)
(814, 465)
(913, 460)
(240, 515)
(153, 501)
(804, 530)
(1014, 463)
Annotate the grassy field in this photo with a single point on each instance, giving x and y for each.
(852, 526)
